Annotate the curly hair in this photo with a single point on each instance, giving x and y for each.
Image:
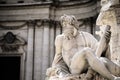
(70, 19)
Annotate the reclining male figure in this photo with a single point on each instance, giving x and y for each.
(75, 52)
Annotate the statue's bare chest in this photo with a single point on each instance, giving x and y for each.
(69, 45)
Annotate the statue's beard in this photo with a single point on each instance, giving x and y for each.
(69, 34)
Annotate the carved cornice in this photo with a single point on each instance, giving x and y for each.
(12, 27)
(29, 23)
(72, 2)
(37, 23)
(26, 4)
(50, 2)
(79, 8)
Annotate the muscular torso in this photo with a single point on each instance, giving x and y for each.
(71, 47)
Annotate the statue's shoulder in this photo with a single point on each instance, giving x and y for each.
(59, 38)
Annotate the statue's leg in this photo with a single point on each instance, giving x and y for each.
(86, 56)
(78, 63)
(112, 67)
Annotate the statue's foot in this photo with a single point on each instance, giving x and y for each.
(117, 78)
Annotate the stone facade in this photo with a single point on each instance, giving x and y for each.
(37, 23)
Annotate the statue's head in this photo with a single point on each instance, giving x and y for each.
(69, 19)
(69, 24)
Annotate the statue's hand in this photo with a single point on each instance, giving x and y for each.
(107, 35)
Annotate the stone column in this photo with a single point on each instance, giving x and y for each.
(45, 55)
(52, 42)
(38, 51)
(30, 52)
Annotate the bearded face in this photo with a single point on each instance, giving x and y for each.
(68, 30)
(69, 24)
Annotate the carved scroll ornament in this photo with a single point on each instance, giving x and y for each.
(10, 42)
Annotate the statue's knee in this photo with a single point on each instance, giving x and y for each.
(103, 59)
(87, 50)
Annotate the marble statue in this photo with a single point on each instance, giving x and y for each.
(79, 52)
(109, 16)
(79, 56)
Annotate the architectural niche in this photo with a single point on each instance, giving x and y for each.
(11, 42)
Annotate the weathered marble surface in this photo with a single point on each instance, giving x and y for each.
(110, 16)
